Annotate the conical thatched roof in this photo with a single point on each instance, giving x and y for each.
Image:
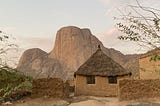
(100, 64)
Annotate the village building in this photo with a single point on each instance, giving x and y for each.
(149, 65)
(99, 76)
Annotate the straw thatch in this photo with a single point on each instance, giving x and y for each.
(99, 64)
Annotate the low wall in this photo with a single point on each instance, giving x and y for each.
(138, 89)
(52, 87)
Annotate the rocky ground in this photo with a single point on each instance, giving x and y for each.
(83, 101)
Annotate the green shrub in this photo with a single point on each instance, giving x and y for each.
(11, 81)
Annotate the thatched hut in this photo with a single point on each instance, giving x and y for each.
(99, 76)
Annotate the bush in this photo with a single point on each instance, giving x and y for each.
(12, 81)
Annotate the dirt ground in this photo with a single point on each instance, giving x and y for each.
(84, 101)
(113, 101)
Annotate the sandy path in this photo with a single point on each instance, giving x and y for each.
(41, 102)
(100, 101)
(84, 101)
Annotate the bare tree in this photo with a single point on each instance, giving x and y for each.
(141, 25)
(6, 46)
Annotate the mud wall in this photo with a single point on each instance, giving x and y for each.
(149, 69)
(138, 89)
(52, 87)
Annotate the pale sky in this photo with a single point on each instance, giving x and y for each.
(34, 23)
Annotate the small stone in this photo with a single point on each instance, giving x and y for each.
(7, 103)
(22, 101)
(46, 96)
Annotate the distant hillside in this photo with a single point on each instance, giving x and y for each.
(73, 46)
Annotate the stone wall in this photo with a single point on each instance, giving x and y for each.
(138, 89)
(52, 87)
(100, 88)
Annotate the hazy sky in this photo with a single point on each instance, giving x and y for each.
(35, 22)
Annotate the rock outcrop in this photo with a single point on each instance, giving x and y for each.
(73, 46)
(36, 63)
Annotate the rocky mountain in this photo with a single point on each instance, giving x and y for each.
(36, 63)
(73, 46)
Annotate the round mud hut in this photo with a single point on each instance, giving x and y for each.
(99, 76)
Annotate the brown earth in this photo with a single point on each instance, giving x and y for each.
(85, 101)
